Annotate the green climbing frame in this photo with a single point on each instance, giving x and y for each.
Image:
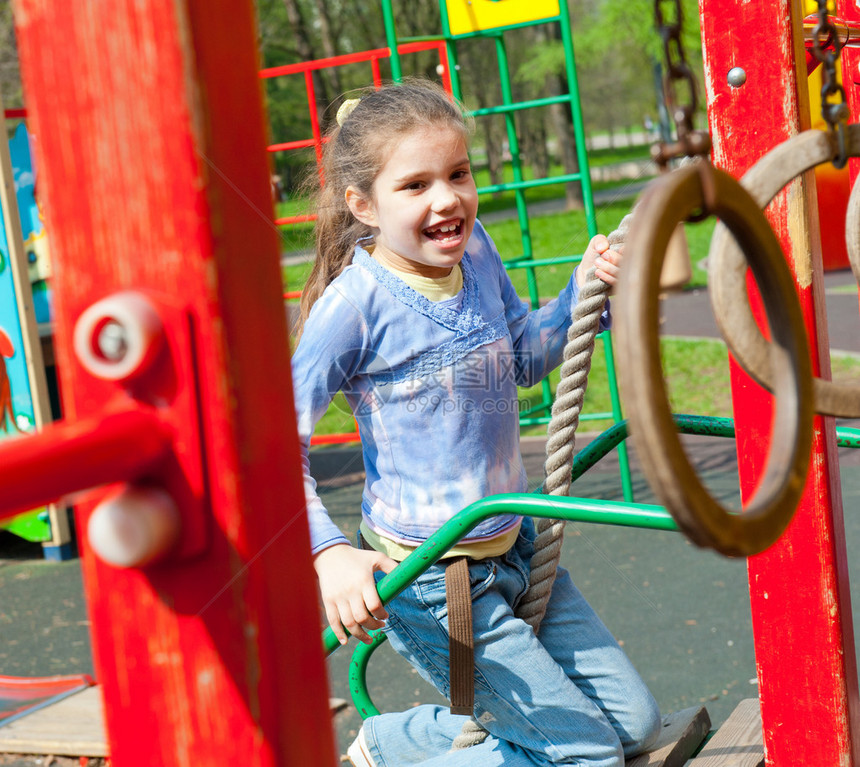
(540, 413)
(571, 509)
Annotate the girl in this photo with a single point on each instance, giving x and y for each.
(410, 312)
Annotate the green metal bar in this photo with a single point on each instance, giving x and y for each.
(391, 40)
(451, 46)
(596, 450)
(847, 437)
(617, 415)
(519, 196)
(358, 675)
(513, 186)
(520, 105)
(590, 216)
(516, 159)
(576, 114)
(538, 421)
(519, 263)
(554, 507)
(454, 71)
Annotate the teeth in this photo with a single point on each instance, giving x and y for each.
(446, 228)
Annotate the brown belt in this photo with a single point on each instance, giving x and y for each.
(461, 637)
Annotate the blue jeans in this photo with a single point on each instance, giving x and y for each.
(566, 696)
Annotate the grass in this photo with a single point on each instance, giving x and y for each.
(703, 361)
(566, 234)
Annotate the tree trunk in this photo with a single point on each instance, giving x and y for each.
(328, 43)
(562, 121)
(534, 143)
(305, 49)
(495, 151)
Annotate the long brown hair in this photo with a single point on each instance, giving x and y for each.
(354, 155)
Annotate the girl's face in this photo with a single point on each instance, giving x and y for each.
(424, 203)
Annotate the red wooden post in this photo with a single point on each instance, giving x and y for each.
(799, 587)
(154, 177)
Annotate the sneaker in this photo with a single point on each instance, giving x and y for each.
(358, 753)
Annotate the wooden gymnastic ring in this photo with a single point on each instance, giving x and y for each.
(727, 266)
(666, 203)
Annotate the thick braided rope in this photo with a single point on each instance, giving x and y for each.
(560, 445)
(561, 434)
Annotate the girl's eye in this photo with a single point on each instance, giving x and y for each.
(459, 175)
(413, 186)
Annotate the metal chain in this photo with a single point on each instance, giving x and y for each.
(826, 47)
(691, 143)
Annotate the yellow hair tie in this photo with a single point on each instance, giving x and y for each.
(346, 110)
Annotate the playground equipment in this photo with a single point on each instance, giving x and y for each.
(23, 306)
(209, 632)
(206, 420)
(703, 188)
(463, 22)
(808, 627)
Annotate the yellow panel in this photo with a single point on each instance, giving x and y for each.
(465, 16)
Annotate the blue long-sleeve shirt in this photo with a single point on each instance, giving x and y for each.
(433, 386)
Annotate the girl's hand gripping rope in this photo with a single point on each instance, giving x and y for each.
(348, 589)
(605, 260)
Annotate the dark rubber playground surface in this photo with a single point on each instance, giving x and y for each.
(681, 613)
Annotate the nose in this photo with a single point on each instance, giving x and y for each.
(445, 198)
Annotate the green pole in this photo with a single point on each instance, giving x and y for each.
(576, 114)
(391, 40)
(519, 191)
(617, 415)
(516, 162)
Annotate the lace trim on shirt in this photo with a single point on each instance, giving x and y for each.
(465, 318)
(444, 355)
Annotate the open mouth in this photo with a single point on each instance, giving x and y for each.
(447, 231)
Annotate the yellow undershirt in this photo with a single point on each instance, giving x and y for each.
(431, 288)
(438, 290)
(488, 547)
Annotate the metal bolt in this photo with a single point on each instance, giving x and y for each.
(736, 77)
(112, 341)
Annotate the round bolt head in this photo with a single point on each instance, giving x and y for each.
(736, 77)
(112, 341)
(134, 527)
(118, 337)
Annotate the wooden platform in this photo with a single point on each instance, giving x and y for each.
(738, 743)
(75, 727)
(682, 733)
(72, 727)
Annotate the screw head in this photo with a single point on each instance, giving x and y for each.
(118, 337)
(112, 341)
(736, 77)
